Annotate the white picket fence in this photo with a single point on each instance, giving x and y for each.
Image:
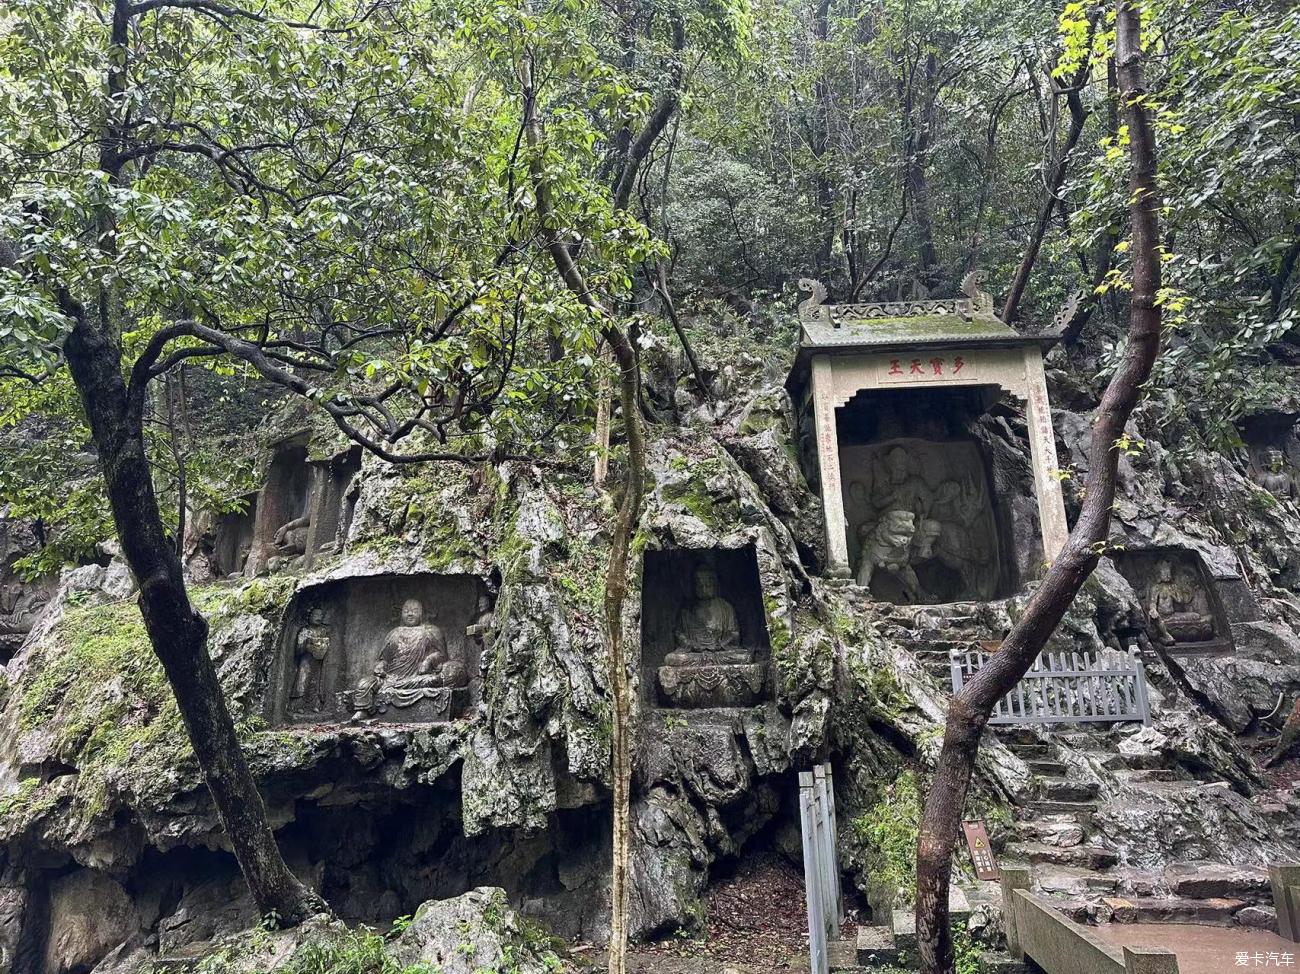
(821, 863)
(1067, 688)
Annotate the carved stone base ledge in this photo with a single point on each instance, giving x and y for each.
(733, 685)
(425, 705)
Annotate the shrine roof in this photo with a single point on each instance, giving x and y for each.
(965, 321)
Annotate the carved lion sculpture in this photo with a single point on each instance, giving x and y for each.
(888, 546)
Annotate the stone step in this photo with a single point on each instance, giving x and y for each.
(1056, 830)
(876, 947)
(1032, 752)
(904, 927)
(1110, 760)
(1039, 807)
(1065, 790)
(1147, 774)
(998, 962)
(1047, 768)
(1204, 880)
(1172, 909)
(1072, 881)
(1085, 857)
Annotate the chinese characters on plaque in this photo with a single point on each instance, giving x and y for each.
(932, 367)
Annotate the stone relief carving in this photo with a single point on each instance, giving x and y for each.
(413, 672)
(709, 667)
(311, 649)
(709, 657)
(1274, 476)
(1180, 610)
(922, 521)
(20, 605)
(378, 648)
(1177, 609)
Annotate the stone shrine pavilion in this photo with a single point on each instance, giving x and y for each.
(917, 498)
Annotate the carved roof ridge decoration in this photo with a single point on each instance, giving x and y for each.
(967, 319)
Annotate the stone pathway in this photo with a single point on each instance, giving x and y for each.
(1208, 950)
(1074, 865)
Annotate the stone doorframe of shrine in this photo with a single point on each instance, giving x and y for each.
(1018, 371)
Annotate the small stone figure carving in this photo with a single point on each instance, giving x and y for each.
(481, 627)
(709, 667)
(19, 609)
(1275, 479)
(707, 630)
(365, 698)
(888, 546)
(413, 666)
(1172, 607)
(290, 544)
(310, 650)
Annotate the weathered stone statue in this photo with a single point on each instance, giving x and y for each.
(709, 667)
(414, 673)
(290, 544)
(481, 627)
(19, 608)
(707, 630)
(887, 546)
(1275, 479)
(310, 650)
(1173, 606)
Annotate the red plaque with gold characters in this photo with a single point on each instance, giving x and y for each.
(981, 853)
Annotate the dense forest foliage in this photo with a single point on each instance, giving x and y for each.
(353, 196)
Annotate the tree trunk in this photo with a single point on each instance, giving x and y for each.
(969, 710)
(177, 633)
(620, 545)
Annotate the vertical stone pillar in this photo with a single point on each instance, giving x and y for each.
(1042, 449)
(1150, 960)
(1013, 878)
(1285, 880)
(828, 462)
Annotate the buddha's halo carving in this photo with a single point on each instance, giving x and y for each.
(704, 639)
(391, 648)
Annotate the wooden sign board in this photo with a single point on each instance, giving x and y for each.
(981, 853)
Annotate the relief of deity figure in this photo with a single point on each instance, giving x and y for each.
(1275, 479)
(412, 662)
(290, 544)
(19, 608)
(310, 650)
(707, 629)
(1173, 606)
(910, 520)
(888, 546)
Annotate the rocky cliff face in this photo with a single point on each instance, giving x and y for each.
(111, 851)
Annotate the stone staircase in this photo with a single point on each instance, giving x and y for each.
(1073, 864)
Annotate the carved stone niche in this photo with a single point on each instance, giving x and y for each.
(332, 503)
(925, 522)
(282, 521)
(21, 601)
(1273, 444)
(1182, 610)
(704, 640)
(387, 648)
